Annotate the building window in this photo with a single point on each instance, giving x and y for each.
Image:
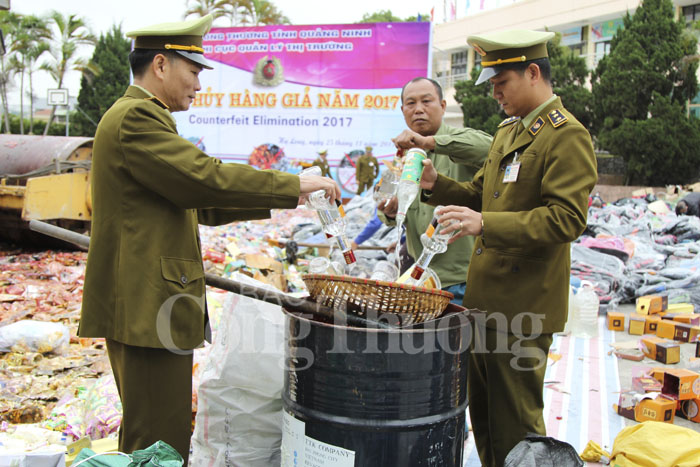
(691, 13)
(459, 63)
(602, 49)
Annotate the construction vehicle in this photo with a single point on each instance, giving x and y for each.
(44, 178)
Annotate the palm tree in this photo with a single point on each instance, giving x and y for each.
(217, 8)
(259, 12)
(29, 43)
(9, 22)
(73, 32)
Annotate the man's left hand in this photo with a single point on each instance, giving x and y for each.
(408, 139)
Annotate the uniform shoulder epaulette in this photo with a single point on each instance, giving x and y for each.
(508, 121)
(557, 118)
(159, 102)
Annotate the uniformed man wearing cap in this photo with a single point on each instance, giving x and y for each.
(366, 170)
(526, 205)
(144, 282)
(322, 162)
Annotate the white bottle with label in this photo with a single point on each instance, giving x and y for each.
(586, 304)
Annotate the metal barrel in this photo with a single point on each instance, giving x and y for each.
(374, 397)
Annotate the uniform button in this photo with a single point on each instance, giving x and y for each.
(496, 194)
(515, 269)
(489, 161)
(183, 279)
(478, 251)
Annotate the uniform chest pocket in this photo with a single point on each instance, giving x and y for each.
(180, 271)
(531, 166)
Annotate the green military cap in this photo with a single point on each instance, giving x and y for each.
(183, 37)
(514, 46)
(324, 152)
(368, 148)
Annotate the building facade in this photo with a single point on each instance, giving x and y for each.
(587, 27)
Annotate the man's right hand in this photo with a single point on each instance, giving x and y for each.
(429, 177)
(389, 207)
(310, 183)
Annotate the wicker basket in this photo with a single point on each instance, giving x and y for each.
(411, 304)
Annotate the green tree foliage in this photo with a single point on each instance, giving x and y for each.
(480, 109)
(643, 86)
(661, 149)
(381, 16)
(386, 16)
(102, 83)
(72, 32)
(569, 76)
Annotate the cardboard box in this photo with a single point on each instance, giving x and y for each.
(650, 304)
(688, 318)
(637, 325)
(644, 384)
(690, 409)
(666, 329)
(681, 308)
(683, 332)
(616, 321)
(640, 408)
(651, 324)
(661, 350)
(681, 384)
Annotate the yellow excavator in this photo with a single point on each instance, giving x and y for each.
(44, 178)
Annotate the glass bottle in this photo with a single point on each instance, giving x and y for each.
(332, 217)
(408, 188)
(434, 242)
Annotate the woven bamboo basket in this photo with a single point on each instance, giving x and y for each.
(411, 304)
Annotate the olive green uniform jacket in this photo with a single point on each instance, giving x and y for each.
(367, 169)
(150, 189)
(325, 168)
(458, 154)
(521, 262)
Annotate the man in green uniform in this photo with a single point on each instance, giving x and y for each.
(144, 282)
(322, 162)
(525, 206)
(366, 170)
(456, 152)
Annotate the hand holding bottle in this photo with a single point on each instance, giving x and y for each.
(429, 175)
(312, 183)
(464, 221)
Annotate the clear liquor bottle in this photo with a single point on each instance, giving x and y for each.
(332, 217)
(434, 242)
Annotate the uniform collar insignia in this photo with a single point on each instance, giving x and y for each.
(508, 121)
(536, 126)
(557, 118)
(157, 101)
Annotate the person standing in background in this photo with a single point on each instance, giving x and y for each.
(366, 170)
(322, 162)
(455, 152)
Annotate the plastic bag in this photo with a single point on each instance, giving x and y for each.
(542, 451)
(34, 336)
(656, 444)
(239, 413)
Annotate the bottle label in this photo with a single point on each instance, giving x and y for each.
(417, 272)
(431, 228)
(413, 165)
(349, 256)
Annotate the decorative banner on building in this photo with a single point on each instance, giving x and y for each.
(605, 31)
(288, 92)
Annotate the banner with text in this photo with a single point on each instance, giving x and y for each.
(303, 89)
